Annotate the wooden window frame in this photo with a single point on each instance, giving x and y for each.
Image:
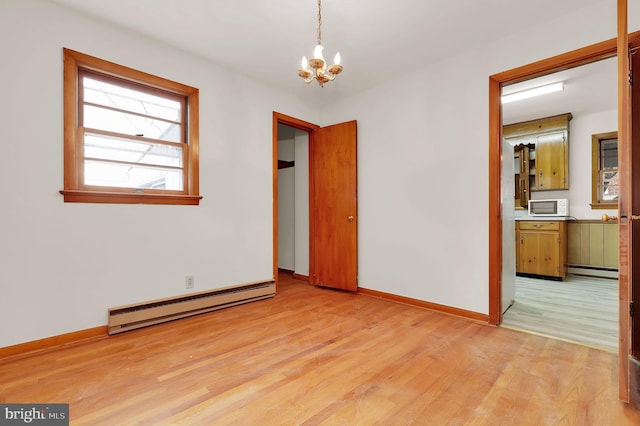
(74, 188)
(596, 141)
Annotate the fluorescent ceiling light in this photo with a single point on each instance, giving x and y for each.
(530, 93)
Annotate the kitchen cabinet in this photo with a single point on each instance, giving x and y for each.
(592, 244)
(541, 153)
(524, 163)
(541, 248)
(552, 161)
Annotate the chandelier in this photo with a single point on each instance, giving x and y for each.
(319, 70)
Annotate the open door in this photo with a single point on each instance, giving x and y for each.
(624, 201)
(333, 206)
(632, 323)
(508, 228)
(629, 209)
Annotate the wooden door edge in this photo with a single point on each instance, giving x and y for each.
(624, 205)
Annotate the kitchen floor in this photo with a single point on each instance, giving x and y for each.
(580, 309)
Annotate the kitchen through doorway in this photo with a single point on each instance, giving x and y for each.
(581, 306)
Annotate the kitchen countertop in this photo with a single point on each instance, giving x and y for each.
(547, 218)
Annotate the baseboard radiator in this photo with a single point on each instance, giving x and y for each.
(130, 317)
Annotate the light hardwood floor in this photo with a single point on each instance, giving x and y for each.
(316, 356)
(580, 309)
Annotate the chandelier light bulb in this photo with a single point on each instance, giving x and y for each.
(304, 64)
(336, 60)
(317, 52)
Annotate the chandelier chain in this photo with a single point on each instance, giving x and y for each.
(319, 22)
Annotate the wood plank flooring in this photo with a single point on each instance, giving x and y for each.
(313, 356)
(579, 309)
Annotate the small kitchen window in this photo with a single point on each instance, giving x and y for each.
(605, 180)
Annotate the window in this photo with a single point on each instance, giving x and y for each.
(604, 160)
(129, 137)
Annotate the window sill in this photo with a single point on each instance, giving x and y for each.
(596, 206)
(76, 196)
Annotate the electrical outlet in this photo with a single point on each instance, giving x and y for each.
(189, 281)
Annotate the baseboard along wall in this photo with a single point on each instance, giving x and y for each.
(53, 342)
(475, 316)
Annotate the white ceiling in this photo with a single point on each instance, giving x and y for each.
(377, 39)
(587, 89)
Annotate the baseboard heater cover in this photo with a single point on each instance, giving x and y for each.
(130, 317)
(592, 271)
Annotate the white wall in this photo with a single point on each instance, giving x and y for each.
(293, 201)
(423, 162)
(301, 139)
(63, 264)
(286, 206)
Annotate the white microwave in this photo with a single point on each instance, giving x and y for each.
(554, 207)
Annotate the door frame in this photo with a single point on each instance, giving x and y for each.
(578, 57)
(287, 120)
(557, 63)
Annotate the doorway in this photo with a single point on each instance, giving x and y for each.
(296, 249)
(589, 54)
(293, 201)
(332, 193)
(580, 306)
(562, 62)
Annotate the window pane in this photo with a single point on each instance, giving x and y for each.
(610, 189)
(127, 176)
(609, 154)
(129, 124)
(110, 95)
(133, 151)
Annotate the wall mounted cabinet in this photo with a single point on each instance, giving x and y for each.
(541, 150)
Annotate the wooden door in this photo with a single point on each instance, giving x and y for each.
(551, 161)
(333, 207)
(625, 205)
(528, 253)
(549, 254)
(631, 209)
(635, 224)
(539, 253)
